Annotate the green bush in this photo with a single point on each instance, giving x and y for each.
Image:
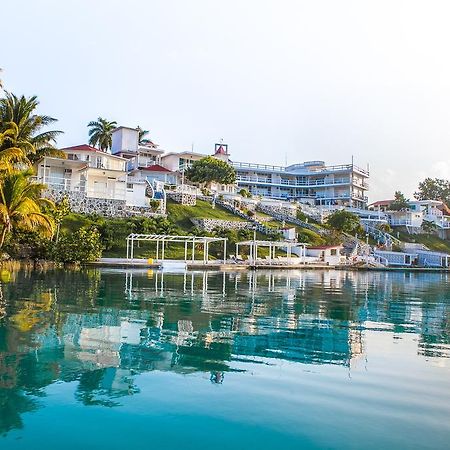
(82, 246)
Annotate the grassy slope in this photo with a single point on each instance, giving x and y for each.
(431, 241)
(181, 215)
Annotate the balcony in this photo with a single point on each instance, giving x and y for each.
(291, 183)
(296, 168)
(60, 184)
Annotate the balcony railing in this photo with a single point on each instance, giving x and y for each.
(297, 167)
(292, 183)
(60, 183)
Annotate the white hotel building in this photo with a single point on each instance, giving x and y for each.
(124, 174)
(312, 182)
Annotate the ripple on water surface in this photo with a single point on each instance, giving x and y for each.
(314, 359)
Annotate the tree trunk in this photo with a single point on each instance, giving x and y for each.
(3, 235)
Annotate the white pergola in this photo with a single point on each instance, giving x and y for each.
(272, 245)
(162, 240)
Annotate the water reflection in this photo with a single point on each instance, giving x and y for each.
(101, 329)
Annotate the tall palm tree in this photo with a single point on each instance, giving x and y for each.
(31, 138)
(100, 133)
(143, 140)
(21, 205)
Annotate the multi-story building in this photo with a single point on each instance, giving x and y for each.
(313, 182)
(88, 170)
(125, 143)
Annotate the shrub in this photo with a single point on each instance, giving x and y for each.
(345, 221)
(81, 246)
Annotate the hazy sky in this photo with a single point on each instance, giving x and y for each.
(277, 80)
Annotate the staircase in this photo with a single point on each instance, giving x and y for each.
(383, 237)
(286, 218)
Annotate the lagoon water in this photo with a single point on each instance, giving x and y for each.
(208, 360)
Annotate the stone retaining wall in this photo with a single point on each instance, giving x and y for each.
(183, 198)
(80, 203)
(272, 209)
(211, 224)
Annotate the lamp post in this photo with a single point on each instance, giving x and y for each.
(254, 245)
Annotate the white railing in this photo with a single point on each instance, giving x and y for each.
(60, 184)
(292, 183)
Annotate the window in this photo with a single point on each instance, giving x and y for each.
(333, 252)
(130, 186)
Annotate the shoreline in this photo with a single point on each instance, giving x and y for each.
(122, 263)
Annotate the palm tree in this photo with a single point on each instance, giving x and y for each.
(100, 133)
(143, 140)
(30, 137)
(10, 153)
(21, 205)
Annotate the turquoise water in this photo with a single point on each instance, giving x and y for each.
(282, 360)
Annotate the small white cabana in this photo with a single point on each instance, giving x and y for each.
(291, 248)
(162, 240)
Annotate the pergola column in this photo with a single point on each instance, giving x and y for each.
(162, 251)
(185, 251)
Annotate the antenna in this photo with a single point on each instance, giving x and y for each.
(192, 147)
(285, 159)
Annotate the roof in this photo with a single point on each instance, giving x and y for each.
(155, 168)
(89, 148)
(221, 150)
(202, 155)
(381, 202)
(83, 147)
(323, 247)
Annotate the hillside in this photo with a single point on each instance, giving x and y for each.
(430, 240)
(180, 215)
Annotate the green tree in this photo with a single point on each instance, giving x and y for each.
(344, 221)
(100, 133)
(30, 136)
(400, 202)
(9, 152)
(434, 189)
(21, 206)
(209, 170)
(385, 228)
(83, 245)
(245, 193)
(59, 212)
(428, 226)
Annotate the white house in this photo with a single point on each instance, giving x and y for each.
(418, 211)
(86, 169)
(125, 143)
(328, 254)
(428, 258)
(389, 258)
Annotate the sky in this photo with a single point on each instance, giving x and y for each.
(279, 81)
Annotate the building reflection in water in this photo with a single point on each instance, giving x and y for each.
(100, 329)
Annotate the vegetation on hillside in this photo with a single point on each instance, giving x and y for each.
(434, 189)
(209, 170)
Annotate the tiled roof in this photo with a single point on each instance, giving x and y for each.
(83, 147)
(155, 168)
